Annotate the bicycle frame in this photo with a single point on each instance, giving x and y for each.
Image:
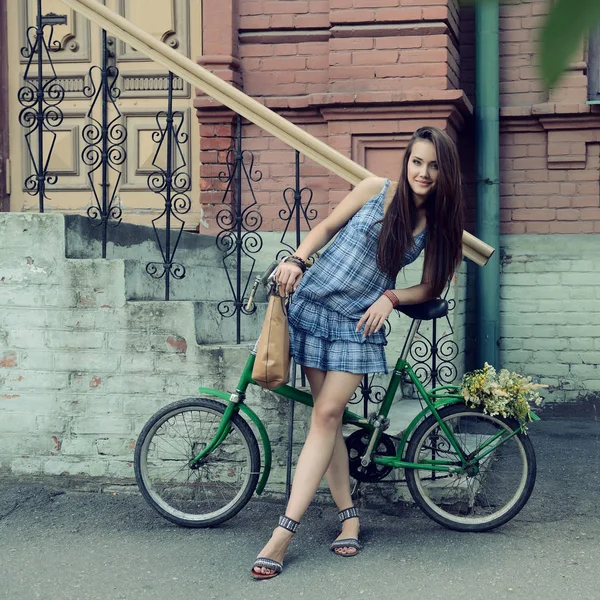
(434, 400)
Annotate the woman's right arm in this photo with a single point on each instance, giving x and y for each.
(288, 274)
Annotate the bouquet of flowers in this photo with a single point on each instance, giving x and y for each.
(506, 394)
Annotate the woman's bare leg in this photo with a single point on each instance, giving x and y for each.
(336, 389)
(338, 472)
(338, 478)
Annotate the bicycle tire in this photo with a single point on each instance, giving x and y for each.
(224, 481)
(466, 502)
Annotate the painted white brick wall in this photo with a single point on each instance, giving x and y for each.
(82, 369)
(550, 312)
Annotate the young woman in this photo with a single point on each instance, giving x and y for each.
(340, 306)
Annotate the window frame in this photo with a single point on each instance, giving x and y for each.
(593, 67)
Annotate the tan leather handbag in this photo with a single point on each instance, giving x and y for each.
(272, 363)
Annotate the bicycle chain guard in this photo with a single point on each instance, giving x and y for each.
(357, 444)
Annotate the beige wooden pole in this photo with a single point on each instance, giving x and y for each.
(473, 248)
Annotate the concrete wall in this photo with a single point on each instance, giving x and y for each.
(82, 368)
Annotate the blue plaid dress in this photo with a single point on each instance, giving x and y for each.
(335, 293)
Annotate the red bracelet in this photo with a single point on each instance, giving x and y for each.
(392, 297)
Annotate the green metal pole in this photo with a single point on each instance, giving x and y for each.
(487, 75)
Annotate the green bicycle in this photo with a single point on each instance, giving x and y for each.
(197, 461)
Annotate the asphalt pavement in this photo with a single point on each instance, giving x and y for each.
(68, 545)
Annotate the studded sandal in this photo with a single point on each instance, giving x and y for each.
(267, 563)
(343, 515)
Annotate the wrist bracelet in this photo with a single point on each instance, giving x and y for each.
(392, 297)
(298, 258)
(296, 261)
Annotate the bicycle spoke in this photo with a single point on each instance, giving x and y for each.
(169, 443)
(187, 431)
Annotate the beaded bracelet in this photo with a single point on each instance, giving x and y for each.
(392, 297)
(296, 257)
(296, 260)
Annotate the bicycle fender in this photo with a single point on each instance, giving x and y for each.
(448, 401)
(264, 437)
(217, 393)
(266, 442)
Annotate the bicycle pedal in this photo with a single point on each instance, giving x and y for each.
(379, 422)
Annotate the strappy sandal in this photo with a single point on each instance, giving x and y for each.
(343, 515)
(267, 563)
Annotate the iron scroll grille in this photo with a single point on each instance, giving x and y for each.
(239, 238)
(173, 183)
(40, 97)
(104, 139)
(432, 361)
(433, 357)
(296, 209)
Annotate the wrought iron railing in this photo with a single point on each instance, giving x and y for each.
(433, 357)
(104, 139)
(239, 224)
(40, 97)
(296, 210)
(173, 183)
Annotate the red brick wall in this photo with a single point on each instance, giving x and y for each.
(550, 140)
(521, 84)
(276, 163)
(361, 75)
(285, 69)
(543, 195)
(347, 45)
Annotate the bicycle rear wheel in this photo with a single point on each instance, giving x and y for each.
(221, 484)
(493, 492)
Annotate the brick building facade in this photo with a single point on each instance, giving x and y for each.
(362, 75)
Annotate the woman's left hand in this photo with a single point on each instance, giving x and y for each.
(375, 317)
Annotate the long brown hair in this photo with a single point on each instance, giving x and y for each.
(444, 214)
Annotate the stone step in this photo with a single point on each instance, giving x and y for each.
(136, 242)
(201, 282)
(213, 328)
(401, 414)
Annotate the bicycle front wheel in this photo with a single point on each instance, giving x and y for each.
(214, 490)
(489, 494)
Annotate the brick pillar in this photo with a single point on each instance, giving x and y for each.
(217, 135)
(217, 123)
(220, 39)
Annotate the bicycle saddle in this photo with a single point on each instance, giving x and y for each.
(426, 311)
